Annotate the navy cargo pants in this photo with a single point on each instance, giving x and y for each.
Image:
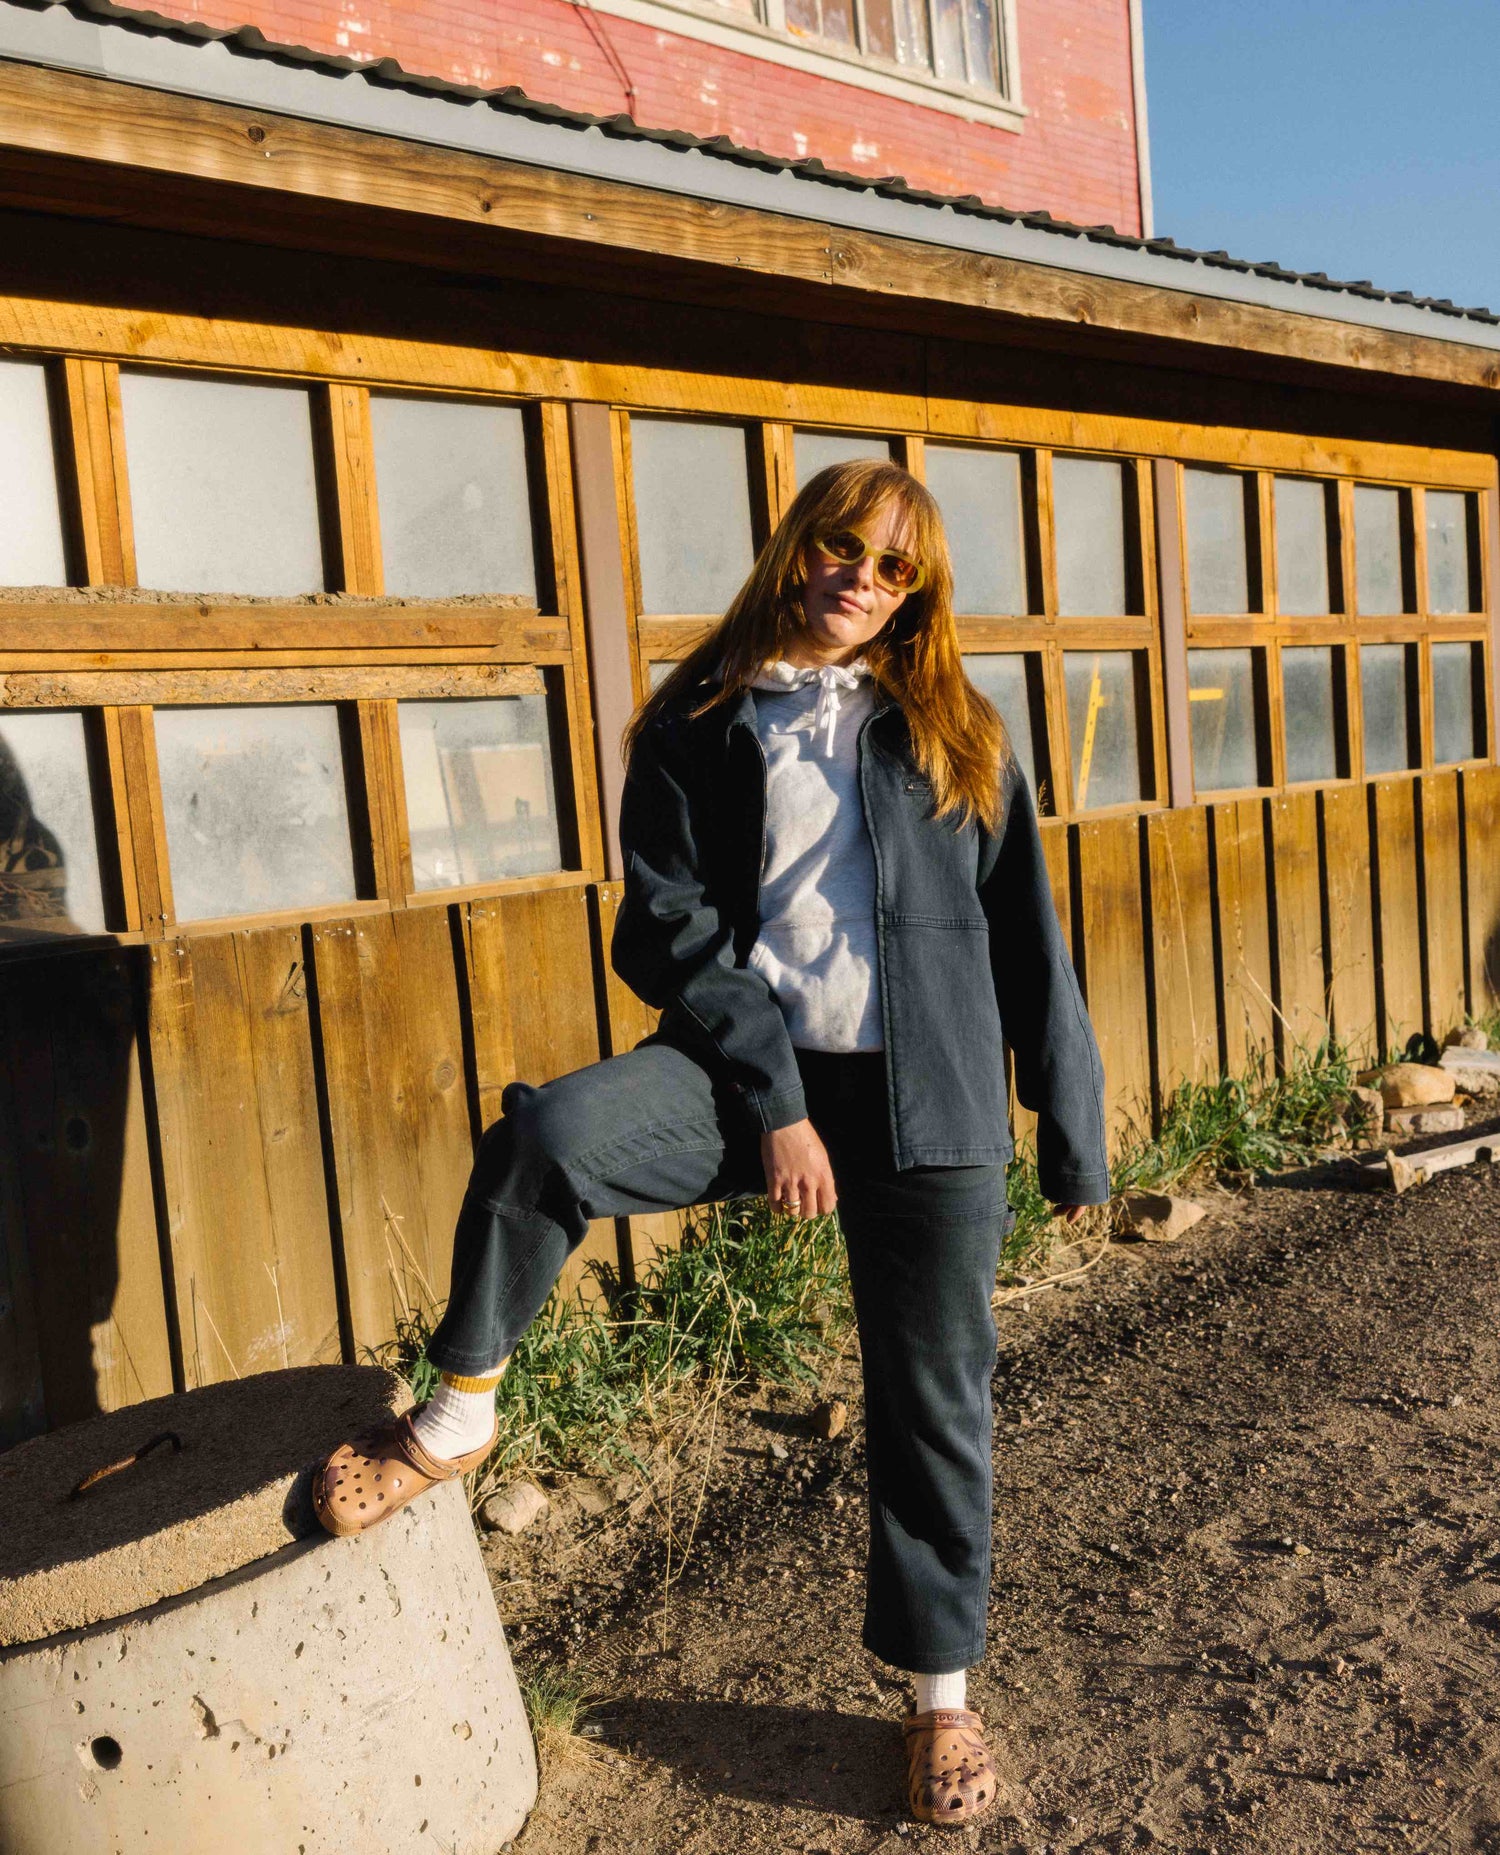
(649, 1131)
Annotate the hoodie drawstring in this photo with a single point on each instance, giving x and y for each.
(829, 677)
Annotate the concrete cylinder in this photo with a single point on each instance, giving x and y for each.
(325, 1695)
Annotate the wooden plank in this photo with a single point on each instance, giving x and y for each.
(140, 625)
(385, 800)
(1108, 875)
(273, 984)
(1184, 1001)
(1302, 993)
(23, 1398)
(1442, 896)
(1054, 834)
(392, 1051)
(491, 1035)
(432, 1024)
(351, 456)
(567, 574)
(121, 688)
(1174, 614)
(1481, 814)
(1344, 819)
(134, 738)
(77, 1169)
(1243, 914)
(60, 113)
(532, 984)
(96, 433)
(241, 1164)
(1398, 966)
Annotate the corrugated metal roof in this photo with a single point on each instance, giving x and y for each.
(251, 42)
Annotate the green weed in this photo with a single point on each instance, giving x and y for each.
(1263, 1121)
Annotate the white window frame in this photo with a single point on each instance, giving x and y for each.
(770, 40)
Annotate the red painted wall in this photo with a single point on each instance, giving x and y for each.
(1075, 156)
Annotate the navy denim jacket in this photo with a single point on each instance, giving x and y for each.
(971, 956)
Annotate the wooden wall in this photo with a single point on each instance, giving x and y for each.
(225, 1153)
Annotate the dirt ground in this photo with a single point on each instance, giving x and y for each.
(1246, 1587)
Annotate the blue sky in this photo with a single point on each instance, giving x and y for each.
(1357, 137)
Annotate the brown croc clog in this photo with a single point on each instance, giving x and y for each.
(363, 1482)
(950, 1775)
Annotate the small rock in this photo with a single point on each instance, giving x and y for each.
(1468, 1037)
(514, 1509)
(1156, 1217)
(1436, 1120)
(776, 1449)
(1476, 1072)
(1410, 1085)
(829, 1418)
(596, 1494)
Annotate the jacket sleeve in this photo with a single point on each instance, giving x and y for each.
(1058, 1072)
(672, 947)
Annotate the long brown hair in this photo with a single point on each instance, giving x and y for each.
(958, 739)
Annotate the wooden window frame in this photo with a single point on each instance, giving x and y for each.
(85, 343)
(118, 665)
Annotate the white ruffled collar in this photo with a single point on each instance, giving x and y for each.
(783, 678)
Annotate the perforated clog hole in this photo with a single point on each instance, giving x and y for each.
(107, 1752)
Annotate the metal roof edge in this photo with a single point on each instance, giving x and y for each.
(245, 70)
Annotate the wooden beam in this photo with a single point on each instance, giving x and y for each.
(606, 608)
(122, 688)
(101, 512)
(201, 625)
(92, 119)
(1173, 596)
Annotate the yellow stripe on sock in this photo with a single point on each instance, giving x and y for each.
(459, 1383)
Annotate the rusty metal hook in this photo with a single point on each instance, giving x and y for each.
(125, 1462)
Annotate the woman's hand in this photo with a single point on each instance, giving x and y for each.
(799, 1178)
(1069, 1213)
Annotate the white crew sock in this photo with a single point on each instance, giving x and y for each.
(945, 1691)
(459, 1416)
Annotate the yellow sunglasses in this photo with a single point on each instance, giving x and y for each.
(895, 571)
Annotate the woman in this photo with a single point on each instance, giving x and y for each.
(836, 895)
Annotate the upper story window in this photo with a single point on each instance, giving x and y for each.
(956, 56)
(955, 41)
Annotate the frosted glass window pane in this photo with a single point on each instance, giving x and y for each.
(979, 493)
(1377, 549)
(1456, 734)
(984, 61)
(1001, 675)
(49, 855)
(880, 29)
(1301, 547)
(815, 451)
(480, 801)
(1102, 727)
(455, 505)
(1383, 684)
(31, 530)
(660, 670)
(1218, 565)
(255, 808)
(222, 486)
(692, 514)
(1311, 723)
(948, 40)
(1448, 580)
(1221, 708)
(1088, 501)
